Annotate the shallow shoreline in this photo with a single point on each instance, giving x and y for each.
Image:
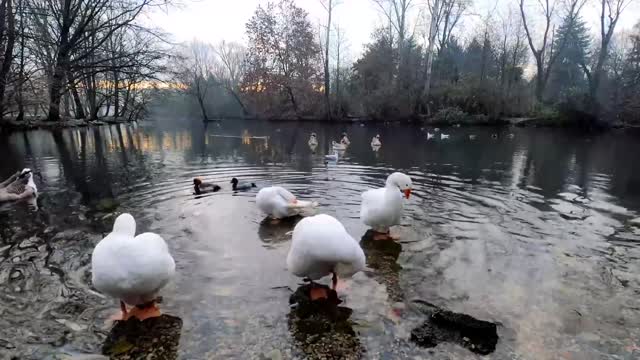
(34, 124)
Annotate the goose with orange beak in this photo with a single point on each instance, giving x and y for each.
(382, 208)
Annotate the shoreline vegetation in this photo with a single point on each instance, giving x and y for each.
(89, 63)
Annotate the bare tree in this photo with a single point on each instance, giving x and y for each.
(8, 31)
(196, 72)
(229, 70)
(328, 5)
(435, 9)
(543, 54)
(610, 11)
(396, 12)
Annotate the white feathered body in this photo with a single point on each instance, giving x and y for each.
(278, 203)
(321, 245)
(382, 208)
(132, 269)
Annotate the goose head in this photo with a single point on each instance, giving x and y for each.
(125, 225)
(400, 181)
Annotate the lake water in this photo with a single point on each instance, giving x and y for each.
(532, 231)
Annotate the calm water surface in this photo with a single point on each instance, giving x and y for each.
(534, 232)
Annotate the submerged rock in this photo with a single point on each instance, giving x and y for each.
(321, 329)
(107, 205)
(479, 336)
(155, 338)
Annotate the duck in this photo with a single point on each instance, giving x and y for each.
(313, 141)
(321, 246)
(201, 187)
(430, 135)
(472, 137)
(494, 136)
(436, 129)
(338, 146)
(18, 186)
(332, 157)
(511, 136)
(444, 136)
(237, 185)
(132, 268)
(382, 208)
(278, 203)
(376, 141)
(345, 139)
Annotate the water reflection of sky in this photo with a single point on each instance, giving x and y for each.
(532, 232)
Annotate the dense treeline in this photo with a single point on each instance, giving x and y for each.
(534, 59)
(62, 59)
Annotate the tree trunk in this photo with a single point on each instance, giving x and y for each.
(327, 79)
(116, 94)
(245, 112)
(429, 60)
(20, 85)
(6, 11)
(55, 89)
(73, 88)
(202, 108)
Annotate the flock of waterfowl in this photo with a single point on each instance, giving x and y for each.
(134, 268)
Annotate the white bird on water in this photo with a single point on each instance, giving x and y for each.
(132, 268)
(332, 157)
(444, 136)
(321, 246)
(430, 135)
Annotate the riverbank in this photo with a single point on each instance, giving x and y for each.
(43, 123)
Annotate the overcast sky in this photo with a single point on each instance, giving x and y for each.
(215, 20)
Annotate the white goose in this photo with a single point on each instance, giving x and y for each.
(322, 246)
(338, 146)
(430, 135)
(132, 269)
(382, 208)
(279, 203)
(375, 142)
(444, 136)
(313, 141)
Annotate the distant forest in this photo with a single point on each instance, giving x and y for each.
(88, 59)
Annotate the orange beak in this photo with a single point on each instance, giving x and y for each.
(407, 193)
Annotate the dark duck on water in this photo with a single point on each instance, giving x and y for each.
(201, 187)
(241, 185)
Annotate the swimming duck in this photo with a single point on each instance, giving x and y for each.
(511, 136)
(376, 141)
(472, 137)
(345, 139)
(322, 246)
(132, 268)
(494, 136)
(18, 186)
(201, 187)
(436, 129)
(279, 203)
(430, 135)
(313, 141)
(338, 146)
(444, 136)
(382, 208)
(332, 157)
(241, 185)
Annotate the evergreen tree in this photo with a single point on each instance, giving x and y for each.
(567, 77)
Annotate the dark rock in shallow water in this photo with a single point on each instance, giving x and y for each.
(479, 336)
(154, 338)
(321, 329)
